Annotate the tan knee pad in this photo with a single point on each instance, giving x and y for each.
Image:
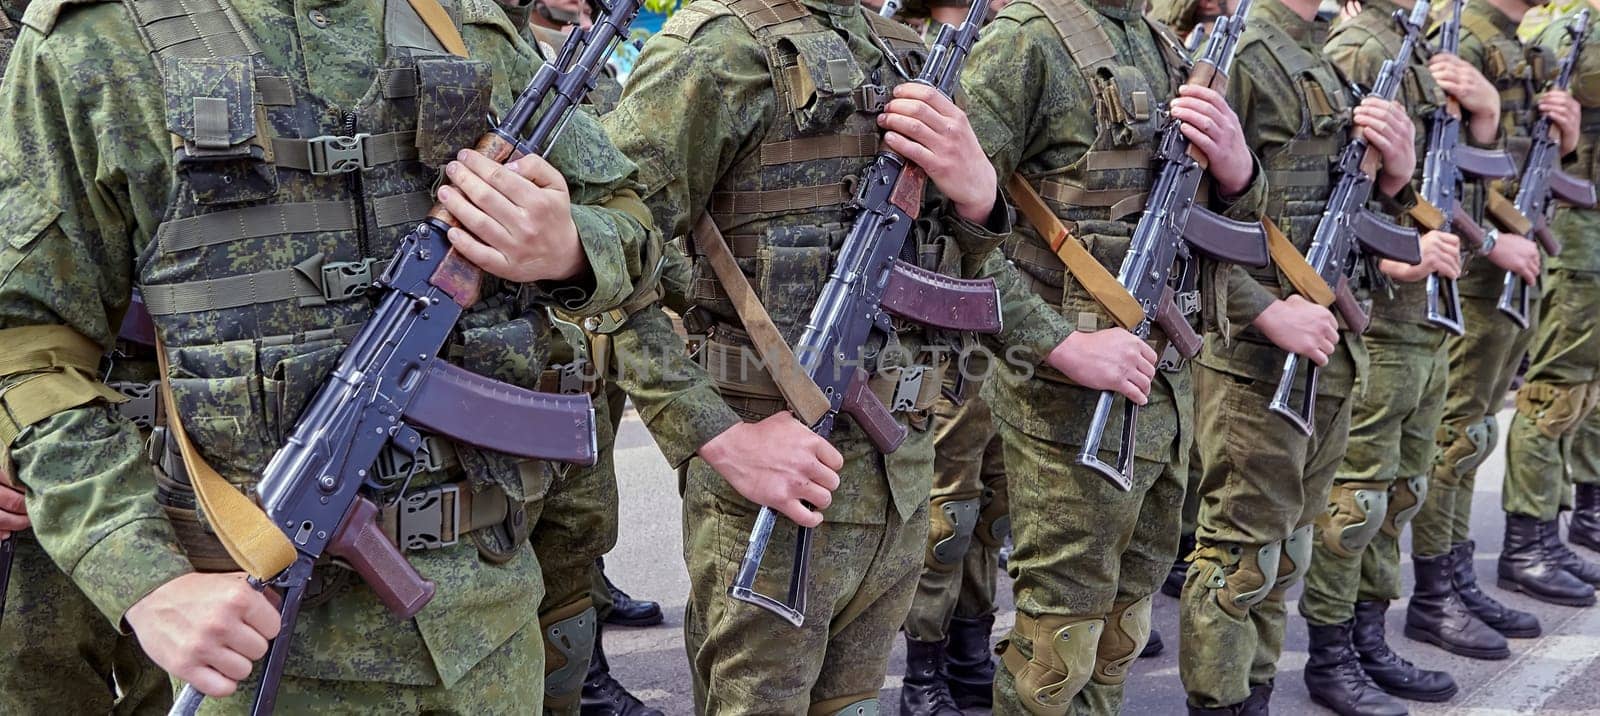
(1239, 576)
(852, 705)
(1463, 449)
(1355, 513)
(569, 632)
(994, 522)
(1064, 652)
(1554, 409)
(1127, 629)
(1294, 559)
(1405, 501)
(951, 522)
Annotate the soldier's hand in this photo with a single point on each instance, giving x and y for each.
(1108, 359)
(1468, 86)
(13, 510)
(1211, 125)
(516, 218)
(1519, 255)
(927, 128)
(1441, 254)
(205, 629)
(778, 463)
(1389, 130)
(1564, 113)
(1301, 327)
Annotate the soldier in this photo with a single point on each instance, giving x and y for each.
(119, 100)
(732, 145)
(1262, 480)
(1063, 94)
(1383, 479)
(1548, 447)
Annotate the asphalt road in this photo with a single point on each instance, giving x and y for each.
(1558, 673)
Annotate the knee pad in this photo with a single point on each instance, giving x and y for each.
(1462, 450)
(951, 524)
(569, 634)
(1239, 576)
(1355, 513)
(1064, 653)
(1127, 629)
(994, 522)
(852, 705)
(1294, 559)
(1405, 501)
(1554, 409)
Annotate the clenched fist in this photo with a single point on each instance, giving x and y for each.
(516, 218)
(1301, 327)
(205, 629)
(927, 128)
(778, 463)
(1441, 254)
(1108, 359)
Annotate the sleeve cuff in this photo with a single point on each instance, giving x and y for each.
(1247, 206)
(127, 565)
(690, 420)
(1401, 203)
(976, 240)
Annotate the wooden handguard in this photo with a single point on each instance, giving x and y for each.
(380, 563)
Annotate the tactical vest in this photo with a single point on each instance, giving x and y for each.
(1586, 89)
(284, 211)
(1100, 195)
(1516, 72)
(783, 208)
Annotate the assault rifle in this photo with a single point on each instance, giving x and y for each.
(1350, 232)
(391, 381)
(1543, 178)
(1161, 262)
(1444, 169)
(868, 288)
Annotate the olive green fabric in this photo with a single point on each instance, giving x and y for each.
(967, 465)
(1584, 458)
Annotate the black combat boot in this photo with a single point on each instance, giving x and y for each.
(1256, 705)
(1513, 623)
(969, 662)
(1527, 567)
(1579, 567)
(1387, 669)
(625, 610)
(1437, 616)
(602, 695)
(1173, 585)
(1584, 528)
(1335, 678)
(1153, 646)
(924, 691)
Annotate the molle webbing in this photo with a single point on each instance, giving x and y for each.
(832, 146)
(190, 28)
(1119, 202)
(759, 15)
(1086, 42)
(743, 203)
(308, 283)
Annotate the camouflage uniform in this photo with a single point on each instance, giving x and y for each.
(65, 657)
(1087, 556)
(100, 186)
(760, 149)
(1262, 482)
(1400, 400)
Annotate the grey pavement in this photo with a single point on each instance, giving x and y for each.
(1558, 673)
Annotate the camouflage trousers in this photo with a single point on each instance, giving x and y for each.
(1546, 439)
(508, 681)
(747, 660)
(1087, 557)
(1482, 364)
(1262, 484)
(1383, 479)
(61, 656)
(576, 526)
(968, 519)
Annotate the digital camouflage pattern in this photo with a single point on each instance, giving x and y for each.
(1397, 406)
(74, 263)
(1262, 482)
(1086, 554)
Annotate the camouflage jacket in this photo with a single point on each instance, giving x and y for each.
(701, 101)
(1579, 229)
(1038, 114)
(86, 174)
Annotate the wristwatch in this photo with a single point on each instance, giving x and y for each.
(1490, 238)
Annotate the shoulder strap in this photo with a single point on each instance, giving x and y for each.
(893, 30)
(1305, 279)
(1106, 290)
(1086, 41)
(439, 23)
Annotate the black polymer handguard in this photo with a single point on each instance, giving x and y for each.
(1543, 179)
(869, 286)
(1162, 259)
(391, 380)
(1446, 167)
(1348, 229)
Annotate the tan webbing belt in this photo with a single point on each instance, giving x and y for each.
(1305, 279)
(63, 362)
(807, 149)
(1094, 277)
(244, 530)
(776, 200)
(1504, 213)
(1427, 216)
(221, 227)
(804, 397)
(1119, 203)
(438, 21)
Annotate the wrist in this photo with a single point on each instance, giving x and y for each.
(977, 212)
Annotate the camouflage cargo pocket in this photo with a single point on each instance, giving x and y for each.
(452, 100)
(514, 351)
(212, 113)
(1126, 103)
(816, 74)
(217, 392)
(793, 263)
(294, 374)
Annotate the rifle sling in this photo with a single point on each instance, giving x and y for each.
(438, 21)
(1305, 279)
(258, 546)
(1106, 290)
(803, 395)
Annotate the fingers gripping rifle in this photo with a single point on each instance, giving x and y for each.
(391, 381)
(1445, 167)
(1542, 179)
(1349, 230)
(1161, 261)
(870, 285)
